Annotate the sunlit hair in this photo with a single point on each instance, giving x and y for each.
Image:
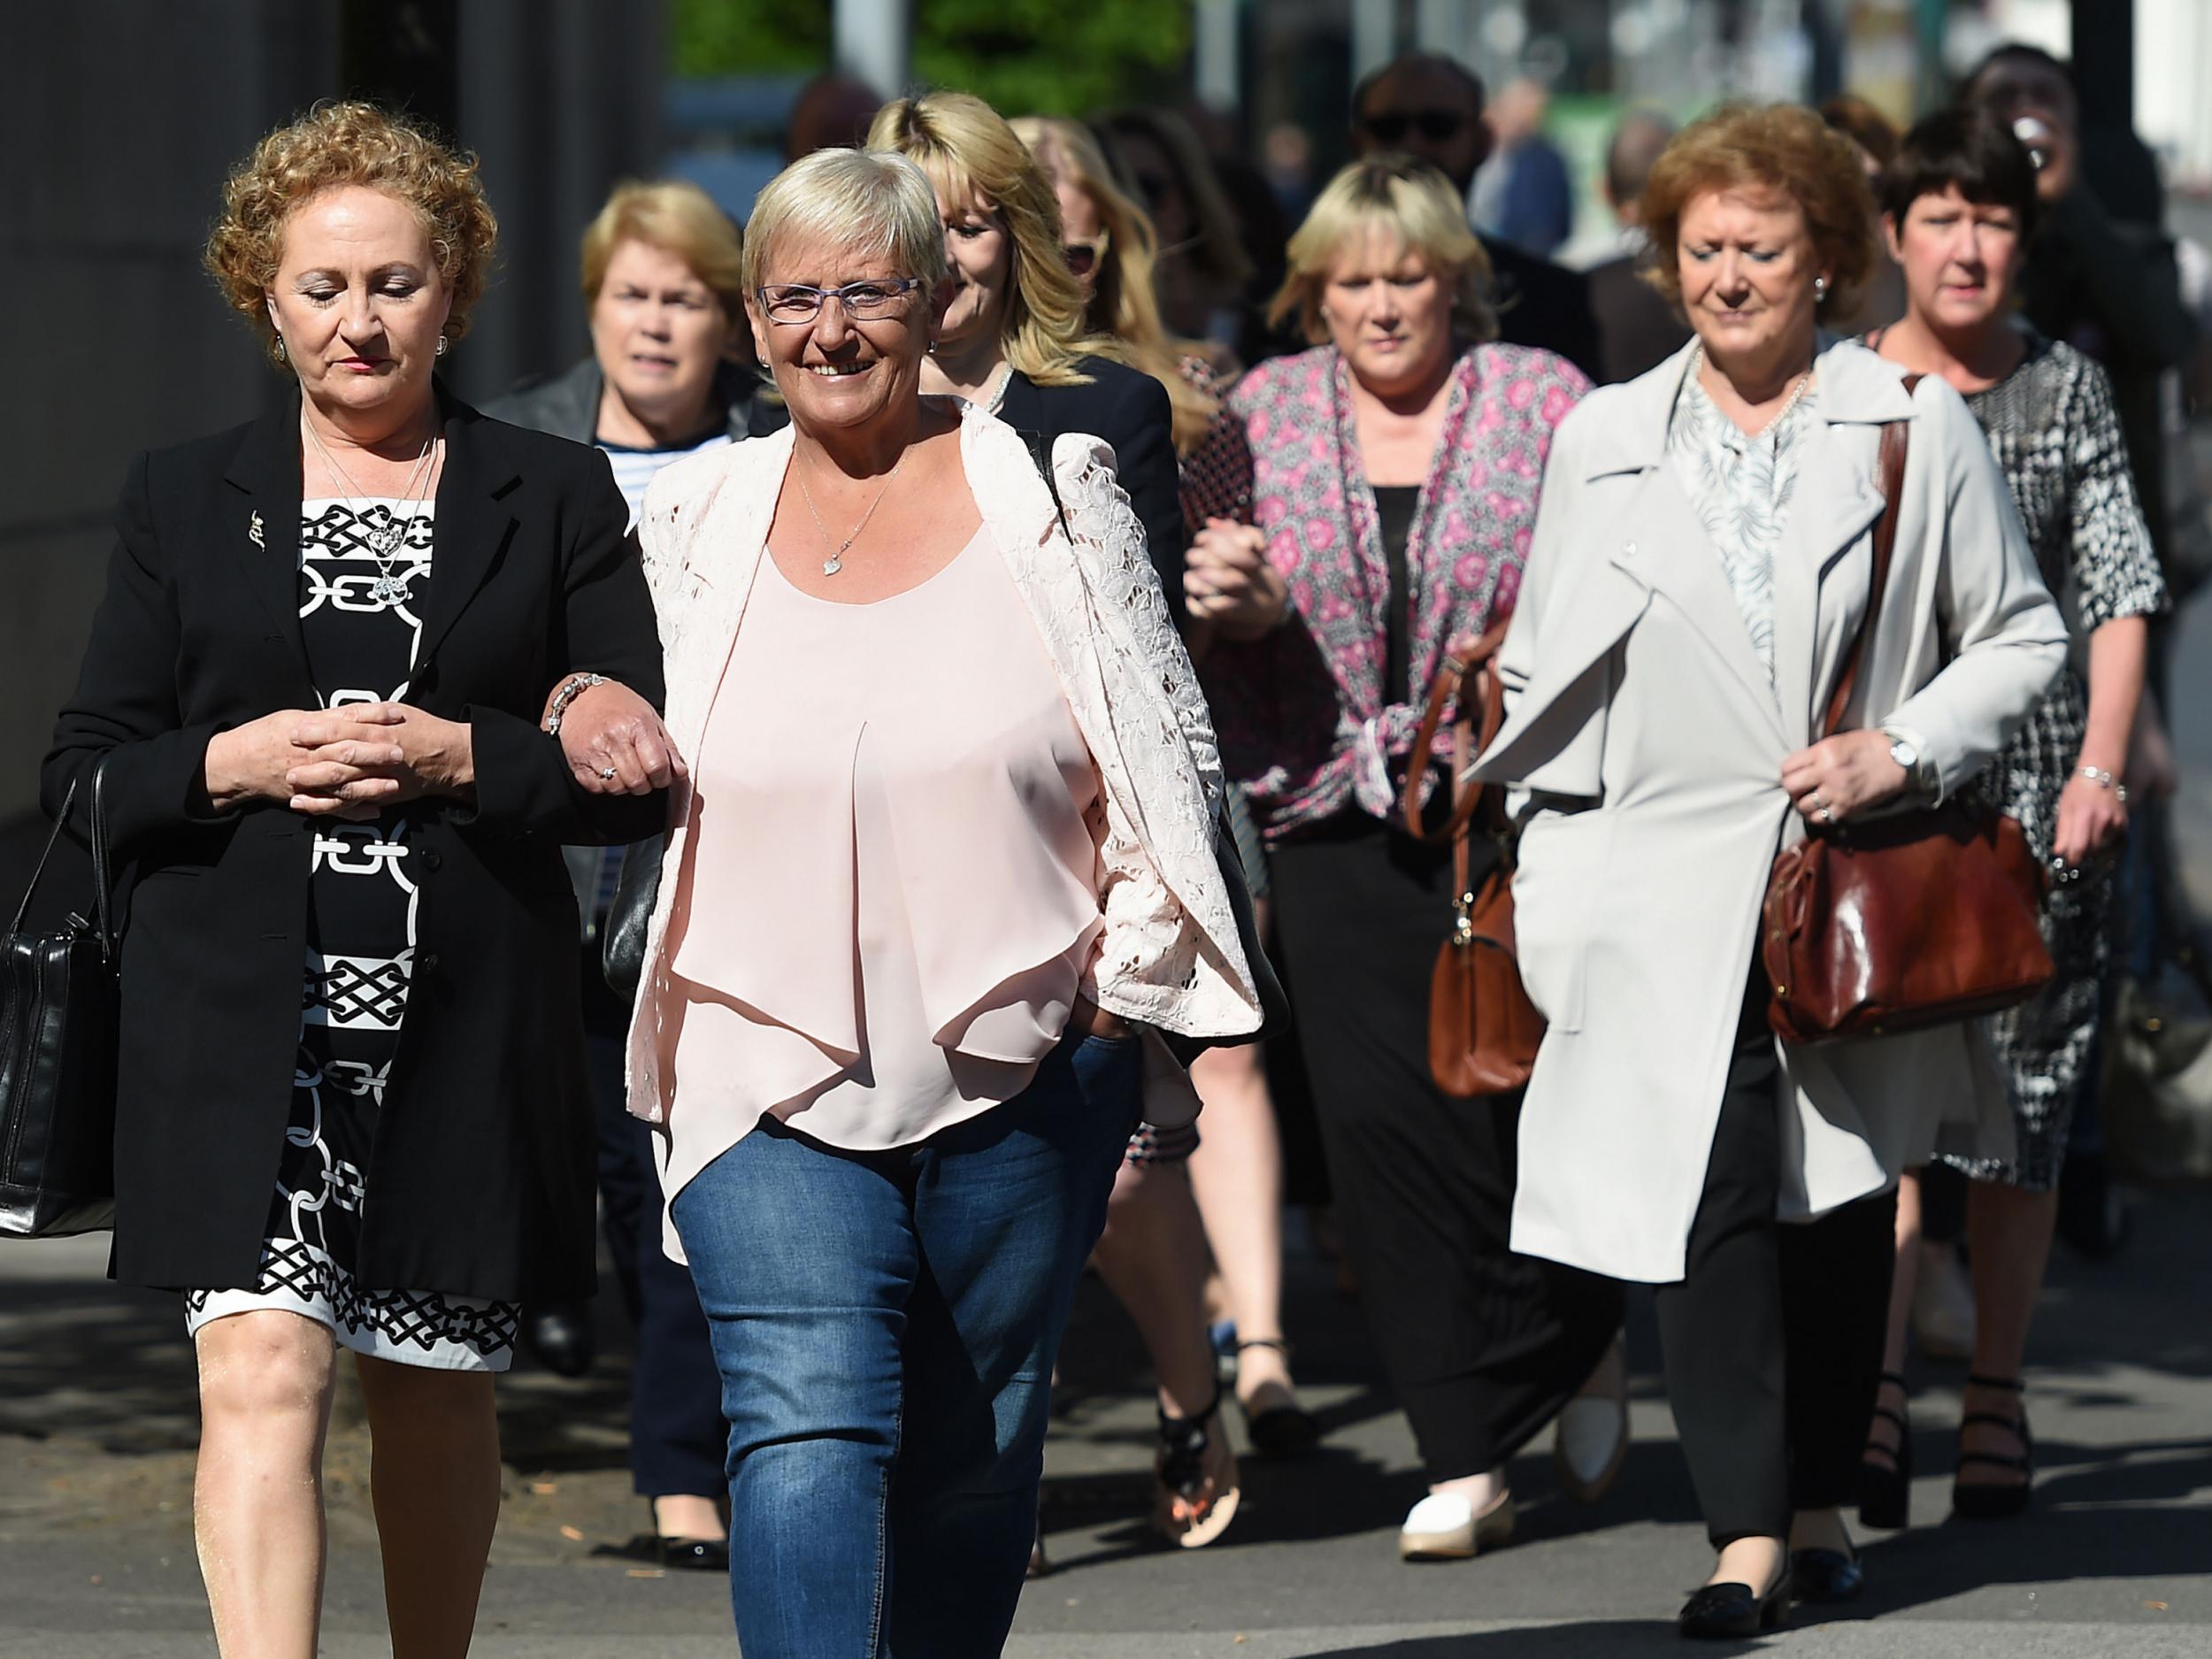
(875, 204)
(1219, 252)
(1776, 150)
(1413, 204)
(1123, 305)
(1969, 150)
(332, 146)
(678, 218)
(970, 153)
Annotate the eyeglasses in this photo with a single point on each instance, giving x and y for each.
(863, 302)
(1436, 126)
(1084, 255)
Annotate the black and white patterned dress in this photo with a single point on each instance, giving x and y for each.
(2057, 440)
(362, 637)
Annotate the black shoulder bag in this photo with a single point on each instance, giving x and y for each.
(58, 1026)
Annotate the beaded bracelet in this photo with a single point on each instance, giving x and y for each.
(2104, 780)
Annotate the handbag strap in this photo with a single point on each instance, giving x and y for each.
(1890, 465)
(1451, 676)
(98, 823)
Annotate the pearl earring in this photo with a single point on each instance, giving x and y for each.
(1820, 288)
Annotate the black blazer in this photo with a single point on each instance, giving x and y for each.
(1542, 304)
(1639, 327)
(1129, 410)
(482, 1171)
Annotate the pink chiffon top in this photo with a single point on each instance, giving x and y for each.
(890, 897)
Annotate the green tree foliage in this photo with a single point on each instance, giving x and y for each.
(1044, 56)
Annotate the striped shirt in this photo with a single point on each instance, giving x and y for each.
(635, 469)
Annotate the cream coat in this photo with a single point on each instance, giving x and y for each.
(1643, 726)
(1169, 958)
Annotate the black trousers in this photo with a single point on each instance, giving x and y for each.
(679, 1441)
(1773, 1338)
(1483, 1347)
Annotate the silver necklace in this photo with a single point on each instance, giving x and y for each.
(835, 562)
(385, 539)
(1797, 392)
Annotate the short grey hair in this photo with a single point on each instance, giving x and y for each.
(870, 200)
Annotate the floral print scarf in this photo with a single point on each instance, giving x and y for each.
(1306, 722)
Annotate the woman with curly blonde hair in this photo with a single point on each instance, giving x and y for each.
(1015, 337)
(350, 1109)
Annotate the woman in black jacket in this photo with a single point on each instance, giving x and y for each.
(311, 702)
(1014, 337)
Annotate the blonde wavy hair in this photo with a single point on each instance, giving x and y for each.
(967, 149)
(334, 145)
(1123, 306)
(1408, 200)
(676, 216)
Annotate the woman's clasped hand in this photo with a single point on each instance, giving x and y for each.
(1228, 582)
(1843, 777)
(615, 744)
(349, 762)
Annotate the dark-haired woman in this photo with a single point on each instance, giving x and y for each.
(1959, 205)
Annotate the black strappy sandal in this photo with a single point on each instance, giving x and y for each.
(1285, 1431)
(1885, 1489)
(1193, 1465)
(1996, 1500)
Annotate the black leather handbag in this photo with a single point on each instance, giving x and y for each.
(59, 1025)
(622, 937)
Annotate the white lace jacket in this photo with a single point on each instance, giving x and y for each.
(1170, 957)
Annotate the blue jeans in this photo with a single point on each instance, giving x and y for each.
(885, 1325)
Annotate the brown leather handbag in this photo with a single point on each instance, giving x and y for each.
(1910, 919)
(1482, 1029)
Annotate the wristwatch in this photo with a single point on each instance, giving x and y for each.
(1904, 749)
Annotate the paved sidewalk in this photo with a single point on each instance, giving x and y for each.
(95, 1556)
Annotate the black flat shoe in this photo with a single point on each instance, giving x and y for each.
(1995, 1500)
(1284, 1431)
(1730, 1611)
(1826, 1575)
(694, 1555)
(1885, 1489)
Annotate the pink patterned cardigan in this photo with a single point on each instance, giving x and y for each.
(1306, 724)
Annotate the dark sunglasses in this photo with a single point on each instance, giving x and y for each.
(1084, 257)
(1436, 126)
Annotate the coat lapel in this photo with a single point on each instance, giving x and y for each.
(263, 537)
(1837, 502)
(1664, 545)
(473, 521)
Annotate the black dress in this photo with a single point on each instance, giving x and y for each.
(360, 621)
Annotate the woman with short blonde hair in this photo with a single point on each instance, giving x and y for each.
(663, 279)
(1398, 200)
(1396, 470)
(1014, 337)
(887, 1132)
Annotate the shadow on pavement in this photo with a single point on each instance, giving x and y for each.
(1598, 1637)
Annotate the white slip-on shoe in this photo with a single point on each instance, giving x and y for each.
(1444, 1527)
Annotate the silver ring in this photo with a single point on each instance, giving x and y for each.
(606, 774)
(1825, 816)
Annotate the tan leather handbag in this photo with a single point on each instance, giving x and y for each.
(1482, 1029)
(1910, 919)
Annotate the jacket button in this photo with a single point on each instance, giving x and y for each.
(428, 963)
(428, 858)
